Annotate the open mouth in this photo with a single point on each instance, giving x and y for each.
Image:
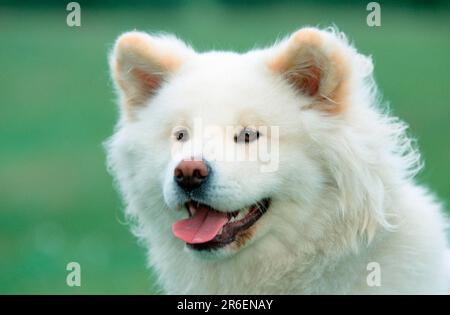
(207, 228)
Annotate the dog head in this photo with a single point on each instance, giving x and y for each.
(221, 150)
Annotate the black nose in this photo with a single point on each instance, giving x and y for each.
(190, 174)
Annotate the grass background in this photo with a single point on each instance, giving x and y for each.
(57, 202)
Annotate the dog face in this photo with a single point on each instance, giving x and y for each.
(218, 150)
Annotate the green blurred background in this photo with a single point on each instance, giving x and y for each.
(57, 202)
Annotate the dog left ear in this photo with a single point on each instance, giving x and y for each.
(314, 63)
(140, 63)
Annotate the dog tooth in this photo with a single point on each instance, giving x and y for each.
(241, 214)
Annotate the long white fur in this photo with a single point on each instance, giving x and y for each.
(344, 194)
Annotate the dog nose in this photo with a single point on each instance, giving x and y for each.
(190, 174)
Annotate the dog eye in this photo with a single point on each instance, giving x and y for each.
(181, 135)
(246, 135)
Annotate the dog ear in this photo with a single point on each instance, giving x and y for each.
(315, 64)
(140, 63)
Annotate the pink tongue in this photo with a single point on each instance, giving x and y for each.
(202, 227)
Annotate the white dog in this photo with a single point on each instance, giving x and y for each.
(336, 210)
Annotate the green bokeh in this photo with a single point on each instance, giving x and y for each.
(57, 202)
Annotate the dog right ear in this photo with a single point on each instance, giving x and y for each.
(316, 64)
(140, 63)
